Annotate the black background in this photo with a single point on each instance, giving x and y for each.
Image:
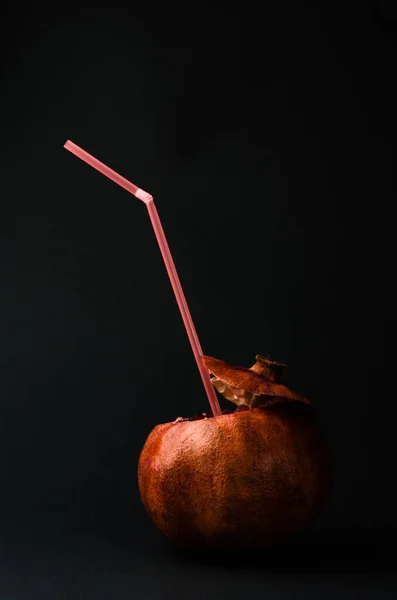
(268, 142)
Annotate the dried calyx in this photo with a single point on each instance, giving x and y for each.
(254, 387)
(269, 369)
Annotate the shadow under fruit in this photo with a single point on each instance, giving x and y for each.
(245, 479)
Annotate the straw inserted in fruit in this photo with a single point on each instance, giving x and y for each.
(168, 260)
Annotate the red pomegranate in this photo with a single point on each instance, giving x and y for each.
(244, 479)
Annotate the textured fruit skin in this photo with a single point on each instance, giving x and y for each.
(241, 480)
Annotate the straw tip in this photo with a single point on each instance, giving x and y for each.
(67, 144)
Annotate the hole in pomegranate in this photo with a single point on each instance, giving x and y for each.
(198, 417)
(242, 408)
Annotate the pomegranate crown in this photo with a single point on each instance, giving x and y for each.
(255, 386)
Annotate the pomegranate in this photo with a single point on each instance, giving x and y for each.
(242, 480)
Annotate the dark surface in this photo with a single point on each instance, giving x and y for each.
(269, 144)
(335, 564)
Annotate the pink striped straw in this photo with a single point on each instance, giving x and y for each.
(168, 260)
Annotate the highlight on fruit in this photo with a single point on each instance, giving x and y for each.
(246, 479)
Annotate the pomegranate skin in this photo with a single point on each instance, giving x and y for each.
(237, 481)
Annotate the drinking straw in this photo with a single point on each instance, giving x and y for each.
(168, 260)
